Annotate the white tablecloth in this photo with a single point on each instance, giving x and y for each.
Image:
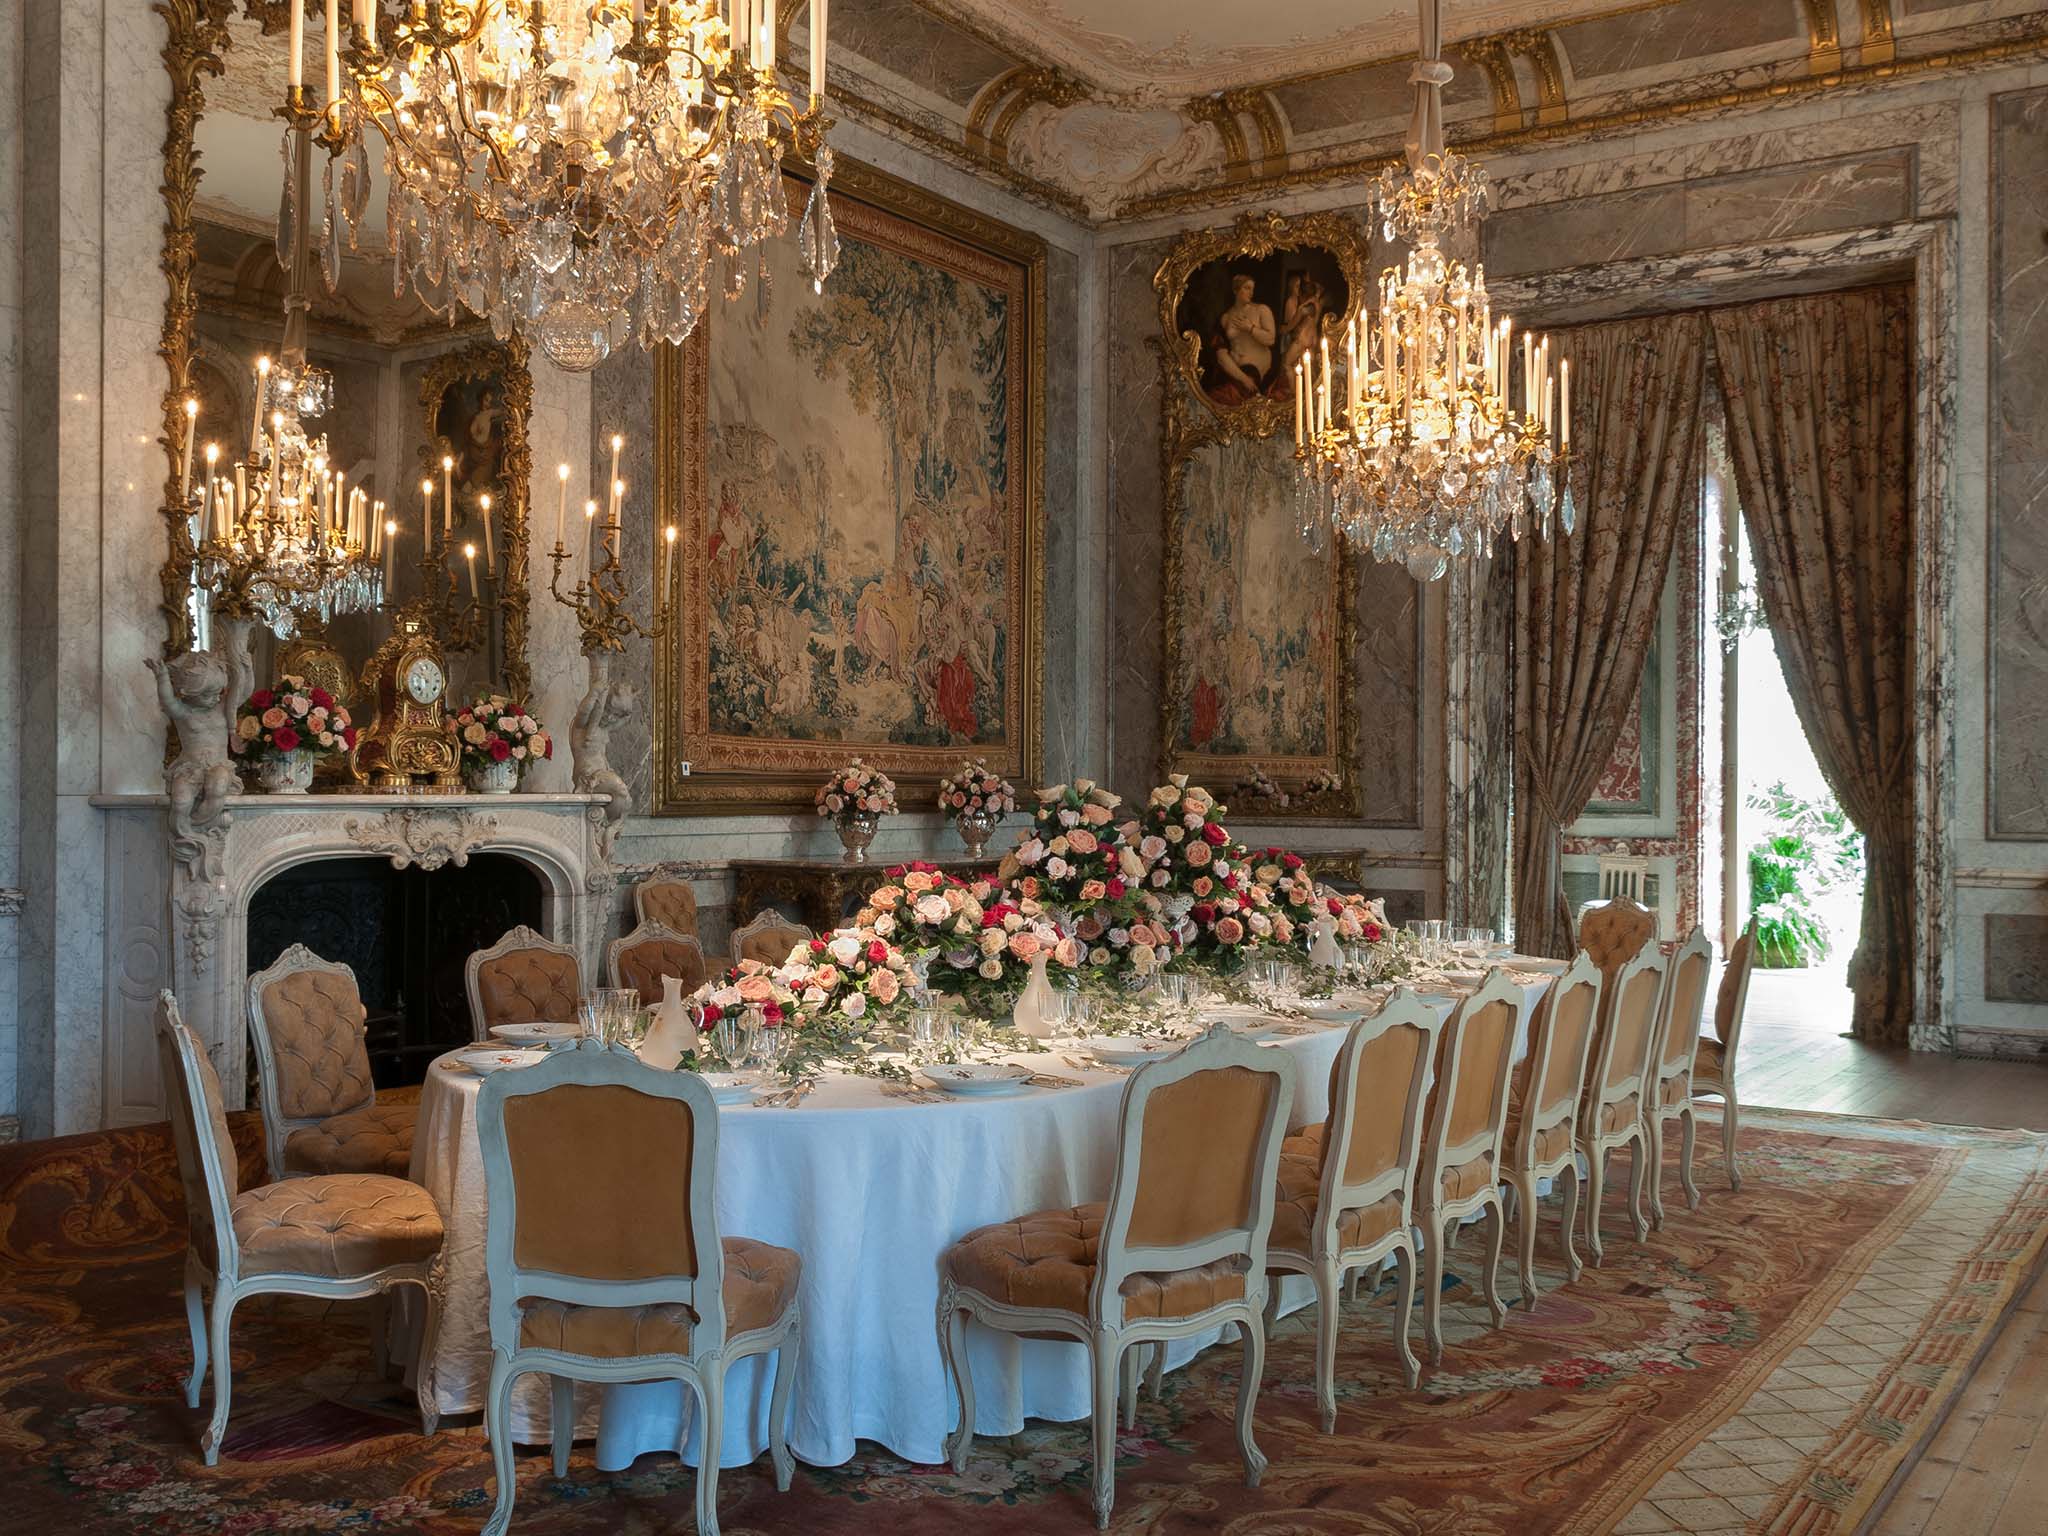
(870, 1190)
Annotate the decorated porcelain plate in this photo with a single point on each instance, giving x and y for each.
(970, 1078)
(537, 1034)
(730, 1087)
(1130, 1050)
(483, 1059)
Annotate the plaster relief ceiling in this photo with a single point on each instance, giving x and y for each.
(1179, 48)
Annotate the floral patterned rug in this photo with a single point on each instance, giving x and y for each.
(1769, 1362)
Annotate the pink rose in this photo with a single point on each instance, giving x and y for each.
(1093, 890)
(1229, 930)
(273, 717)
(1095, 815)
(1198, 854)
(885, 986)
(1025, 946)
(1081, 840)
(756, 989)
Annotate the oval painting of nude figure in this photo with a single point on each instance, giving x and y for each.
(1245, 319)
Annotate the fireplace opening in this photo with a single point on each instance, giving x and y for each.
(406, 933)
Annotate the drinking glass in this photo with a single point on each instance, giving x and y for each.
(1173, 989)
(1433, 941)
(617, 1008)
(924, 1026)
(729, 1039)
(587, 1017)
(1080, 1014)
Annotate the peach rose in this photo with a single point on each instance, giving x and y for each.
(756, 989)
(1067, 952)
(885, 898)
(1095, 815)
(1025, 946)
(1093, 890)
(273, 717)
(1081, 840)
(825, 977)
(885, 986)
(1198, 853)
(1229, 930)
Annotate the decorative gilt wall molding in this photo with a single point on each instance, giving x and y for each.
(427, 839)
(1823, 37)
(1879, 47)
(1496, 61)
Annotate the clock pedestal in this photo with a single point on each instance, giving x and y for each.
(406, 749)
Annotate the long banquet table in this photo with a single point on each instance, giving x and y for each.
(870, 1189)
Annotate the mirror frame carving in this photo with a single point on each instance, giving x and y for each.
(1186, 428)
(196, 48)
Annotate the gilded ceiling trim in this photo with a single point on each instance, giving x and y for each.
(1494, 60)
(1219, 114)
(1540, 48)
(1823, 37)
(1257, 105)
(1879, 46)
(1356, 170)
(952, 150)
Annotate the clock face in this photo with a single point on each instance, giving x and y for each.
(423, 680)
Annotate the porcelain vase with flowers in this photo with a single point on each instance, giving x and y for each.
(283, 731)
(856, 797)
(498, 741)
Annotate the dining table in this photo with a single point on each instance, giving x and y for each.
(869, 1180)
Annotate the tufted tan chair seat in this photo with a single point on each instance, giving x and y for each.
(334, 1224)
(376, 1139)
(1709, 1061)
(1552, 1142)
(1468, 1178)
(759, 1284)
(1047, 1259)
(768, 938)
(1294, 1213)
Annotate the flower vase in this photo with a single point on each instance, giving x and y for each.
(856, 830)
(673, 1031)
(976, 828)
(493, 778)
(288, 774)
(1033, 1013)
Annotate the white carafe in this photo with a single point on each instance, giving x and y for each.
(674, 1030)
(1033, 1015)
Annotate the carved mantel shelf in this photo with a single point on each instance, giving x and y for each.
(198, 900)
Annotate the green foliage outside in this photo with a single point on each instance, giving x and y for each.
(1809, 850)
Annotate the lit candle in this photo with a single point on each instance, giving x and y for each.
(618, 442)
(362, 14)
(490, 549)
(1326, 376)
(333, 54)
(212, 458)
(256, 412)
(1351, 372)
(618, 501)
(426, 516)
(589, 535)
(276, 480)
(390, 549)
(447, 493)
(561, 503)
(818, 29)
(469, 554)
(1564, 390)
(297, 75)
(1528, 374)
(767, 49)
(185, 454)
(668, 559)
(1300, 416)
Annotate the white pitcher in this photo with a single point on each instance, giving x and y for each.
(674, 1030)
(1324, 950)
(1033, 1014)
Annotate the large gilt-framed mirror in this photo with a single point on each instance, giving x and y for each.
(411, 387)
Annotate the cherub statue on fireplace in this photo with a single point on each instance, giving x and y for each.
(192, 688)
(605, 705)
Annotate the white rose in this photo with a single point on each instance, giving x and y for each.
(845, 948)
(1142, 958)
(1070, 818)
(1119, 937)
(1161, 876)
(885, 925)
(854, 1004)
(814, 996)
(1175, 834)
(932, 909)
(1260, 923)
(990, 969)
(1128, 861)
(1165, 795)
(1030, 851)
(1057, 868)
(1192, 820)
(1152, 849)
(1098, 956)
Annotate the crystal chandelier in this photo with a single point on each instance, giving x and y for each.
(572, 172)
(1406, 440)
(278, 534)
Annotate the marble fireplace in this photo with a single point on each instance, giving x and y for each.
(181, 919)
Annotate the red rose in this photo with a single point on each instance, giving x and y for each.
(262, 699)
(549, 749)
(321, 698)
(1203, 912)
(348, 738)
(771, 1012)
(1230, 881)
(1214, 835)
(1114, 887)
(285, 739)
(500, 749)
(1336, 907)
(817, 946)
(1370, 932)
(877, 952)
(1290, 861)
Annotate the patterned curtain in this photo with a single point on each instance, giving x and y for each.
(1586, 606)
(1820, 412)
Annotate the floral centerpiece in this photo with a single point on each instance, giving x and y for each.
(834, 997)
(1387, 953)
(1082, 867)
(1292, 898)
(857, 797)
(287, 728)
(1224, 925)
(1183, 840)
(972, 939)
(497, 741)
(977, 798)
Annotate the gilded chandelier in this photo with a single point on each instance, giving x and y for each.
(572, 172)
(1406, 440)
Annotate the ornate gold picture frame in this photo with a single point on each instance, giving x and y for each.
(1259, 697)
(858, 480)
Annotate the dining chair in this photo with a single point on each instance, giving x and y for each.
(1678, 1035)
(320, 1109)
(1461, 1142)
(654, 950)
(1713, 1063)
(1178, 1249)
(1543, 1111)
(666, 900)
(1624, 875)
(524, 978)
(1346, 1196)
(1613, 932)
(768, 938)
(335, 1236)
(1611, 1115)
(604, 1259)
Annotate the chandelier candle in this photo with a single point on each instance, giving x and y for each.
(490, 554)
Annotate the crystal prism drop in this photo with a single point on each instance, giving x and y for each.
(1568, 510)
(287, 212)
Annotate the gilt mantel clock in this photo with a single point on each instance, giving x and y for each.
(407, 746)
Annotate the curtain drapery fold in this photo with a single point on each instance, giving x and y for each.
(1586, 605)
(1820, 425)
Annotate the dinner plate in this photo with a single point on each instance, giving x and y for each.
(730, 1087)
(1334, 1012)
(1130, 1050)
(971, 1079)
(485, 1059)
(1465, 978)
(1532, 963)
(540, 1033)
(1233, 1014)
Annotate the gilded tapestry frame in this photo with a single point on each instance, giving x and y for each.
(688, 783)
(196, 48)
(505, 362)
(1190, 422)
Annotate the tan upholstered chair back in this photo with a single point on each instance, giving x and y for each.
(1475, 1055)
(1685, 1004)
(1622, 1049)
(671, 903)
(207, 1164)
(1381, 1077)
(1614, 931)
(1198, 1156)
(1733, 999)
(523, 979)
(768, 938)
(599, 1175)
(1560, 1046)
(653, 951)
(306, 1022)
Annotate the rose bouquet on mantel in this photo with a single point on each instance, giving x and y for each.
(977, 798)
(285, 729)
(497, 741)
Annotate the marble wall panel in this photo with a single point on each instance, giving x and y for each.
(1634, 40)
(1137, 517)
(2018, 492)
(907, 40)
(1390, 679)
(1322, 104)
(2015, 958)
